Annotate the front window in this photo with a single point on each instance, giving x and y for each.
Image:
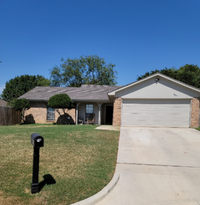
(50, 113)
(89, 110)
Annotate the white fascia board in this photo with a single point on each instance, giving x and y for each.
(152, 76)
(112, 93)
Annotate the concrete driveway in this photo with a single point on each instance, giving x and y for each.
(157, 166)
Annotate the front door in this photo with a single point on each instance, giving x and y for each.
(109, 115)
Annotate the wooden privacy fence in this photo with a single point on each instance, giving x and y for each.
(8, 116)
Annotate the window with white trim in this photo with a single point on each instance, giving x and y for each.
(50, 113)
(89, 110)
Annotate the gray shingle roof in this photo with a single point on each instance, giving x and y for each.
(83, 93)
(3, 102)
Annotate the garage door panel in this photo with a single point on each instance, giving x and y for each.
(167, 113)
(157, 102)
(154, 115)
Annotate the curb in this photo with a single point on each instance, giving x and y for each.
(101, 194)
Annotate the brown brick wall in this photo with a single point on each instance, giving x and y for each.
(38, 113)
(195, 112)
(70, 113)
(117, 112)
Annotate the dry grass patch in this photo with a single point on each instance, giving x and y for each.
(63, 159)
(80, 159)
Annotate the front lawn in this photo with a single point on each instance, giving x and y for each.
(79, 158)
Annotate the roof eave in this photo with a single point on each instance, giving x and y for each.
(75, 100)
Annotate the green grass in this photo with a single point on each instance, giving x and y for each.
(198, 129)
(80, 159)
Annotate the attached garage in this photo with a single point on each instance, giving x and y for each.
(156, 101)
(158, 113)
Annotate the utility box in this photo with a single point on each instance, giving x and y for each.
(37, 141)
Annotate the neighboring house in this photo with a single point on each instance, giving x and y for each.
(155, 101)
(3, 102)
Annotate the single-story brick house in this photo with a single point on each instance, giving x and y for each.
(88, 99)
(157, 101)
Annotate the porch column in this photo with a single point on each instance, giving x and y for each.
(77, 104)
(99, 120)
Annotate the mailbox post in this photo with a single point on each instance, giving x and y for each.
(37, 141)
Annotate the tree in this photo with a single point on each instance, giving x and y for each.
(171, 72)
(60, 101)
(188, 73)
(85, 70)
(22, 105)
(16, 87)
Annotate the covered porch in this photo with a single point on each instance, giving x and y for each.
(102, 113)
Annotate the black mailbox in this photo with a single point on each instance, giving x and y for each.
(37, 141)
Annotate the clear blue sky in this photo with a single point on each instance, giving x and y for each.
(136, 35)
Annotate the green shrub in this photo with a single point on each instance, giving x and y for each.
(60, 101)
(22, 105)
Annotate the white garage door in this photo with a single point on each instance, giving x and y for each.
(156, 113)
